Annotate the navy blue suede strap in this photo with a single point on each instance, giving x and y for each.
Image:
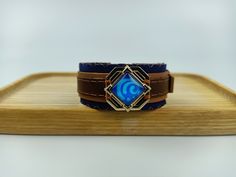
(106, 106)
(107, 67)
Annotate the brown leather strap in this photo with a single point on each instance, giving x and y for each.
(91, 86)
(93, 75)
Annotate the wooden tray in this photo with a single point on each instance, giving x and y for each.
(48, 104)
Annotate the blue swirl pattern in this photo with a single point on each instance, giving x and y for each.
(127, 89)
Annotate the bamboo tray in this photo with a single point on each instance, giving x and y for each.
(48, 104)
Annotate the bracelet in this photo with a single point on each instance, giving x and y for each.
(124, 87)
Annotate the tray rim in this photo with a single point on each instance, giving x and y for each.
(28, 78)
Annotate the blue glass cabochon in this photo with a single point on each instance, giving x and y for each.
(127, 89)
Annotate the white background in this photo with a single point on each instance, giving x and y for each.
(188, 35)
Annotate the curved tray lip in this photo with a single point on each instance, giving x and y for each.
(28, 77)
(48, 74)
(206, 78)
(8, 88)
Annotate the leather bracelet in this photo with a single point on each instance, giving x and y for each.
(124, 87)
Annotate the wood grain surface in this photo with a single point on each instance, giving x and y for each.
(48, 104)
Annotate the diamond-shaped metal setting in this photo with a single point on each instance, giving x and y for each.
(127, 88)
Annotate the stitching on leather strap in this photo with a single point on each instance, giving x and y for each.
(102, 99)
(159, 80)
(94, 75)
(159, 94)
(91, 94)
(91, 80)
